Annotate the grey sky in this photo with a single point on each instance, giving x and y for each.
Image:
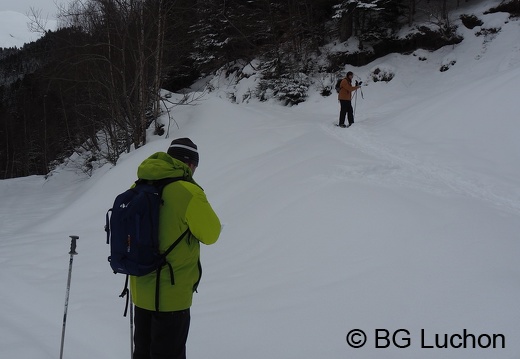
(48, 7)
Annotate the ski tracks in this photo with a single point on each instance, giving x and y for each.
(397, 167)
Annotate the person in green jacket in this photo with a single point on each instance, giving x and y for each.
(162, 333)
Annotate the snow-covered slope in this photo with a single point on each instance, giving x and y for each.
(410, 219)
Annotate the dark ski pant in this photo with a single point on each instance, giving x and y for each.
(160, 335)
(346, 108)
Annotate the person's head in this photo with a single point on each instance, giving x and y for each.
(186, 151)
(350, 75)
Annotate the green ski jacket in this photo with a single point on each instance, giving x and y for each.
(185, 206)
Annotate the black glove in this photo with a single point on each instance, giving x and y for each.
(358, 83)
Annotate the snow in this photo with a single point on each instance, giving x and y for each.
(410, 219)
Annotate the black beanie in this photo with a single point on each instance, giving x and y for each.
(184, 150)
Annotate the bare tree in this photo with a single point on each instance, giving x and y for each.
(37, 23)
(121, 65)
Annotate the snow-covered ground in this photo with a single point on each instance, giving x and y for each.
(409, 220)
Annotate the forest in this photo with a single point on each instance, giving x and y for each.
(97, 82)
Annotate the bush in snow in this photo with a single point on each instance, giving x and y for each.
(512, 7)
(447, 64)
(488, 31)
(471, 21)
(289, 91)
(326, 84)
(382, 73)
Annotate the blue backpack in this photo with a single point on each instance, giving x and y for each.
(132, 226)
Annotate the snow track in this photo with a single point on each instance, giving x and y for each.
(402, 168)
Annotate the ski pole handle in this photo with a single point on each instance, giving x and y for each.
(73, 245)
(72, 252)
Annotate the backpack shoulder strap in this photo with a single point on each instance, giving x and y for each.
(177, 241)
(170, 268)
(160, 183)
(166, 181)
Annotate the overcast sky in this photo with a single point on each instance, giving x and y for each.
(48, 7)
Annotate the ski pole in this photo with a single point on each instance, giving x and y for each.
(131, 329)
(360, 83)
(72, 253)
(355, 103)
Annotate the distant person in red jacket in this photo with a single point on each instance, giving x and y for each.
(345, 99)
